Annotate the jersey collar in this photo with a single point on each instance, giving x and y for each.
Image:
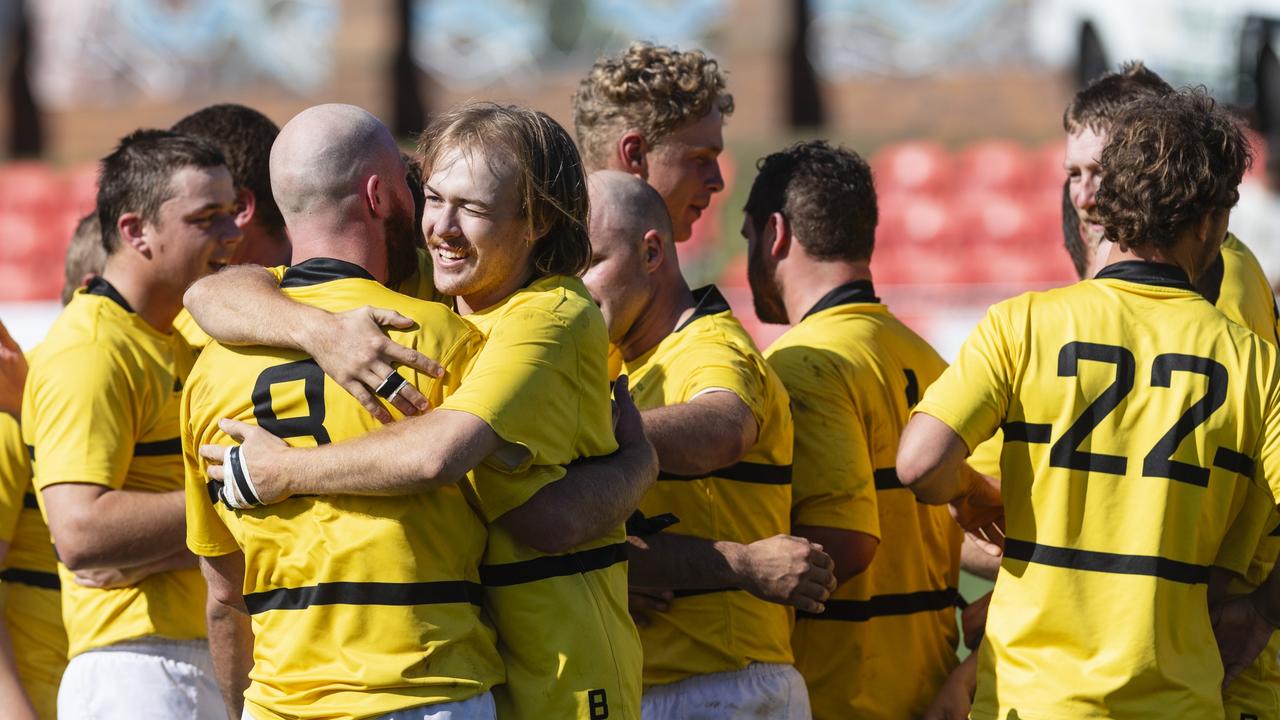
(1147, 273)
(322, 270)
(857, 291)
(99, 286)
(707, 301)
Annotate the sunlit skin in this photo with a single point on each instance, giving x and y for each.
(684, 168)
(1084, 148)
(481, 246)
(194, 232)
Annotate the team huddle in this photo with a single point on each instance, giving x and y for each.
(326, 431)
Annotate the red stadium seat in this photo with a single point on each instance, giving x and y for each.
(991, 217)
(23, 233)
(914, 220)
(82, 188)
(918, 166)
(30, 186)
(1000, 166)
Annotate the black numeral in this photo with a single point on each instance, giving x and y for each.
(1159, 462)
(312, 423)
(913, 388)
(598, 704)
(1065, 452)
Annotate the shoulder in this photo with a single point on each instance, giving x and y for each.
(558, 301)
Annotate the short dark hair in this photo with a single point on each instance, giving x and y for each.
(413, 178)
(1071, 238)
(137, 176)
(1097, 106)
(244, 136)
(551, 184)
(827, 194)
(1170, 161)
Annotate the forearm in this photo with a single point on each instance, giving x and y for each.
(1266, 599)
(975, 561)
(684, 562)
(231, 645)
(13, 698)
(243, 305)
(120, 528)
(595, 497)
(694, 441)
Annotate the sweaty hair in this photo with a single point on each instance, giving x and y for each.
(1097, 106)
(825, 192)
(1170, 161)
(1071, 237)
(85, 255)
(137, 176)
(413, 177)
(649, 88)
(551, 184)
(244, 136)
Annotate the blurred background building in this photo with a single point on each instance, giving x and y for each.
(958, 104)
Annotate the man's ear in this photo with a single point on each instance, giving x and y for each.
(132, 232)
(378, 205)
(653, 251)
(632, 154)
(778, 232)
(246, 205)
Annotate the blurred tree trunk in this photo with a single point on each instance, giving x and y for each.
(409, 112)
(805, 97)
(26, 138)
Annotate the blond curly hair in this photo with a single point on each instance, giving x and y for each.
(648, 88)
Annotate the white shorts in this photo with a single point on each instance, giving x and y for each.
(479, 707)
(760, 690)
(146, 679)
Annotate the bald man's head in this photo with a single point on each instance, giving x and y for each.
(624, 206)
(326, 153)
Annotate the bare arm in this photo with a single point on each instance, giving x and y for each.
(710, 432)
(956, 694)
(243, 305)
(13, 373)
(783, 569)
(94, 526)
(12, 695)
(408, 457)
(183, 559)
(976, 561)
(850, 550)
(931, 463)
(230, 631)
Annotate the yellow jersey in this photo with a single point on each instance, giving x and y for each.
(1129, 453)
(391, 609)
(709, 631)
(540, 382)
(101, 407)
(29, 584)
(853, 371)
(186, 326)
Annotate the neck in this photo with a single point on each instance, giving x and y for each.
(808, 281)
(355, 242)
(477, 302)
(671, 304)
(1169, 256)
(155, 302)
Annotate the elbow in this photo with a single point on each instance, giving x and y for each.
(194, 296)
(553, 534)
(74, 544)
(556, 540)
(857, 564)
(224, 601)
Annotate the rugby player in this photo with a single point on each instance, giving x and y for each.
(505, 218)
(100, 414)
(719, 420)
(1101, 604)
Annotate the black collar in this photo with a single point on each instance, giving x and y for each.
(1210, 284)
(99, 286)
(858, 291)
(1147, 273)
(322, 270)
(708, 301)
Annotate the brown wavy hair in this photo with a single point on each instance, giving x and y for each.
(1170, 160)
(552, 185)
(648, 88)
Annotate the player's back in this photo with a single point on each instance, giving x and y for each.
(360, 604)
(903, 604)
(1132, 416)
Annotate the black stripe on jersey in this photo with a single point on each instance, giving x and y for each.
(155, 448)
(1018, 431)
(365, 593)
(322, 270)
(887, 479)
(747, 472)
(704, 591)
(31, 452)
(886, 605)
(526, 571)
(858, 291)
(1232, 461)
(99, 286)
(30, 502)
(708, 301)
(34, 578)
(1092, 560)
(1147, 273)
